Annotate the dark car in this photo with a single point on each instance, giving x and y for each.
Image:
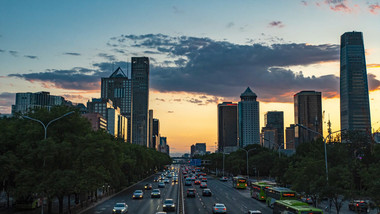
(148, 186)
(190, 192)
(188, 182)
(155, 193)
(155, 179)
(206, 192)
(359, 205)
(161, 185)
(168, 205)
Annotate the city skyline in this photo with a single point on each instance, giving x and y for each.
(198, 58)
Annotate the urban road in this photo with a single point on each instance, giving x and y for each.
(236, 201)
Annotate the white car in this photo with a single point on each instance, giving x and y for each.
(254, 212)
(120, 208)
(219, 208)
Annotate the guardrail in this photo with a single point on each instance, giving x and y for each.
(181, 203)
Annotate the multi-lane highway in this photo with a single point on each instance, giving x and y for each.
(236, 201)
(145, 205)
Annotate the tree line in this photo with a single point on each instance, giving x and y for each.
(353, 168)
(72, 160)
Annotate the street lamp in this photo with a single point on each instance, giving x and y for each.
(324, 142)
(247, 151)
(45, 128)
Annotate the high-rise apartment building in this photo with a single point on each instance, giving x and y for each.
(249, 120)
(26, 102)
(308, 112)
(140, 100)
(156, 133)
(117, 88)
(150, 132)
(275, 120)
(290, 140)
(354, 98)
(227, 127)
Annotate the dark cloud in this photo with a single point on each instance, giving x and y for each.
(215, 69)
(278, 24)
(162, 100)
(107, 56)
(72, 54)
(13, 53)
(177, 100)
(31, 57)
(170, 112)
(230, 25)
(2, 51)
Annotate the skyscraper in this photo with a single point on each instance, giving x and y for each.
(140, 100)
(275, 120)
(117, 88)
(150, 133)
(354, 99)
(227, 127)
(249, 120)
(307, 112)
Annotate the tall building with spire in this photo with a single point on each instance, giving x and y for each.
(140, 100)
(249, 120)
(117, 88)
(354, 98)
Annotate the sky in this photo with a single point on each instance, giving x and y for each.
(201, 53)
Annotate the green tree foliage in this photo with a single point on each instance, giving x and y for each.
(72, 160)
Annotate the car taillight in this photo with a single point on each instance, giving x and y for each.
(224, 208)
(357, 205)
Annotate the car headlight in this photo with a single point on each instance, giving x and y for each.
(114, 210)
(164, 205)
(173, 205)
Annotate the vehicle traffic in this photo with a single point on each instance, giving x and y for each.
(279, 193)
(138, 194)
(169, 205)
(155, 193)
(295, 207)
(120, 208)
(219, 208)
(239, 183)
(258, 190)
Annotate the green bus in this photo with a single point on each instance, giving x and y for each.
(294, 207)
(258, 190)
(279, 193)
(239, 183)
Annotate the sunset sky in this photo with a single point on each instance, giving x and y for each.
(202, 52)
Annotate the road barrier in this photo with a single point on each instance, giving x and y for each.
(181, 203)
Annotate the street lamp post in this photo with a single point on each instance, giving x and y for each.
(324, 142)
(45, 128)
(247, 151)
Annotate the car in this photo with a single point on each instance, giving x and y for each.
(169, 205)
(138, 194)
(190, 192)
(155, 193)
(358, 205)
(160, 212)
(223, 179)
(120, 208)
(203, 185)
(219, 208)
(161, 184)
(166, 180)
(175, 179)
(197, 182)
(204, 179)
(254, 212)
(148, 186)
(188, 182)
(155, 179)
(307, 200)
(206, 192)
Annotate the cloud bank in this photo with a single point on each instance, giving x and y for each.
(214, 68)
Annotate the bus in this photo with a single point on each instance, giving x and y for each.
(294, 207)
(239, 183)
(258, 190)
(279, 193)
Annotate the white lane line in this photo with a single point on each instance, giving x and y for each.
(158, 206)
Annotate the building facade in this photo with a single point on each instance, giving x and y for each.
(227, 127)
(26, 102)
(308, 113)
(275, 120)
(354, 98)
(97, 121)
(140, 100)
(249, 119)
(150, 128)
(117, 88)
(290, 140)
